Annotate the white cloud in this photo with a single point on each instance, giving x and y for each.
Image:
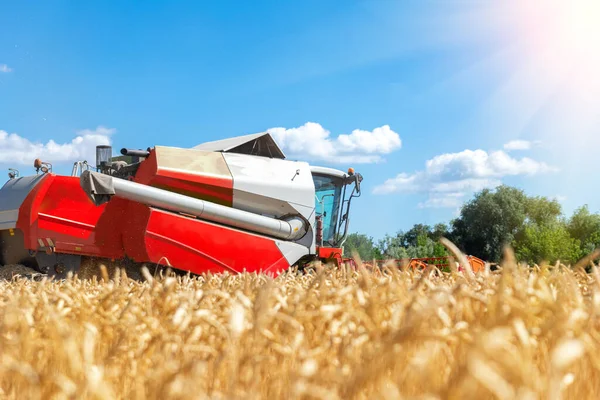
(481, 164)
(560, 198)
(448, 178)
(5, 68)
(312, 141)
(17, 150)
(447, 200)
(520, 145)
(462, 185)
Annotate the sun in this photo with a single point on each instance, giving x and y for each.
(563, 37)
(538, 63)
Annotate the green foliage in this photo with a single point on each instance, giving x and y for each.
(544, 236)
(490, 221)
(542, 211)
(363, 245)
(411, 238)
(534, 226)
(585, 227)
(419, 242)
(440, 231)
(547, 243)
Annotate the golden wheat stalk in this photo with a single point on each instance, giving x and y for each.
(331, 333)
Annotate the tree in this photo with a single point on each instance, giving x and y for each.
(392, 246)
(548, 242)
(585, 227)
(427, 247)
(490, 221)
(410, 238)
(542, 211)
(534, 226)
(544, 236)
(363, 245)
(419, 242)
(440, 231)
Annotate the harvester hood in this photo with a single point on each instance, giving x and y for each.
(98, 187)
(256, 144)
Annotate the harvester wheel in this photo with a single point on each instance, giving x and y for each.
(8, 272)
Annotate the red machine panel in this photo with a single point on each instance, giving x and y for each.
(57, 209)
(197, 246)
(194, 173)
(330, 253)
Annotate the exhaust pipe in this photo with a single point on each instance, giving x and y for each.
(135, 153)
(100, 188)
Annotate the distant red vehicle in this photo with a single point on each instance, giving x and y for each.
(441, 262)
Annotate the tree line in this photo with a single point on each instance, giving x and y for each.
(535, 227)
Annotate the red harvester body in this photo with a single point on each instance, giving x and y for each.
(229, 205)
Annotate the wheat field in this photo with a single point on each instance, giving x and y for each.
(346, 333)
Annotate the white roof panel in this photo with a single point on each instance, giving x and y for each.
(328, 171)
(259, 144)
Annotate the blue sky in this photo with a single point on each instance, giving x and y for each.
(444, 98)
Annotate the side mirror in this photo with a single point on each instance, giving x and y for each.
(359, 179)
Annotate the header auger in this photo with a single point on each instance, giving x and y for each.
(230, 205)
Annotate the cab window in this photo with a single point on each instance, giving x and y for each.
(328, 193)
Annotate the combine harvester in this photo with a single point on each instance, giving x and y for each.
(229, 205)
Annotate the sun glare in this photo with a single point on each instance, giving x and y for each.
(565, 36)
(540, 66)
